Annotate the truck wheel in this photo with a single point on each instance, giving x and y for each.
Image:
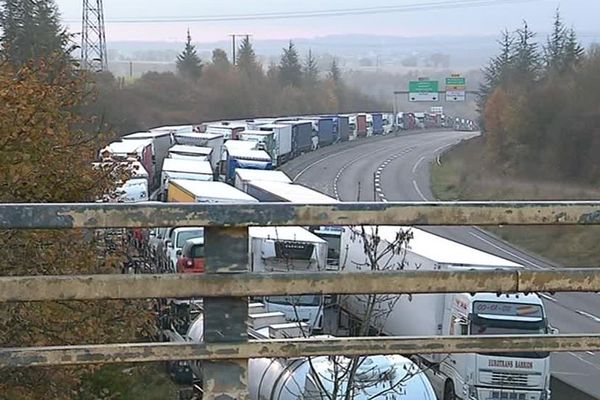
(449, 393)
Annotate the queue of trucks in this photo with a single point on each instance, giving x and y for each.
(232, 162)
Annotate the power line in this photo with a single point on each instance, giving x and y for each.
(438, 5)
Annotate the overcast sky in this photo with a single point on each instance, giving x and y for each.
(431, 21)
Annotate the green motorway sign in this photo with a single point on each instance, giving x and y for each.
(456, 81)
(423, 87)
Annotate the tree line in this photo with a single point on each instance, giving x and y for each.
(220, 88)
(539, 106)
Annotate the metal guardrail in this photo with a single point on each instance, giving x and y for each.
(226, 284)
(63, 216)
(110, 287)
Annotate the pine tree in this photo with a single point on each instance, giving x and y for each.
(290, 70)
(311, 70)
(189, 65)
(335, 74)
(526, 57)
(573, 51)
(554, 51)
(497, 71)
(246, 59)
(220, 59)
(31, 30)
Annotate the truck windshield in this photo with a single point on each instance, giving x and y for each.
(491, 326)
(304, 300)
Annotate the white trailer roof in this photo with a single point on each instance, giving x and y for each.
(287, 233)
(189, 166)
(207, 136)
(239, 144)
(256, 132)
(295, 122)
(444, 250)
(257, 155)
(175, 128)
(294, 193)
(146, 135)
(262, 175)
(272, 126)
(217, 190)
(128, 146)
(183, 148)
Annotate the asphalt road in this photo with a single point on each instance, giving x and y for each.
(397, 169)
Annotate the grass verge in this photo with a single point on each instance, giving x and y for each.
(462, 176)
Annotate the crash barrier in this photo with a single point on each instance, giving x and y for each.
(226, 285)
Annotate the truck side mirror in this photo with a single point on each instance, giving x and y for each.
(169, 244)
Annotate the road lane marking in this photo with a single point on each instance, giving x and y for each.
(505, 251)
(444, 146)
(414, 170)
(548, 297)
(584, 360)
(416, 186)
(588, 315)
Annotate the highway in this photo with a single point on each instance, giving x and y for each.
(396, 168)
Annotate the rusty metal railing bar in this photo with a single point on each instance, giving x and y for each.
(150, 352)
(93, 215)
(106, 287)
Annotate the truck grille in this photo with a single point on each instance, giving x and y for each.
(498, 378)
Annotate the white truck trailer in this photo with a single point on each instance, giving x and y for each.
(270, 191)
(189, 191)
(282, 134)
(213, 140)
(229, 129)
(506, 375)
(161, 141)
(184, 169)
(244, 176)
(186, 152)
(290, 249)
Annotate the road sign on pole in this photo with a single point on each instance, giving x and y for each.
(456, 88)
(423, 90)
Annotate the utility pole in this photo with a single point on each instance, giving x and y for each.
(93, 37)
(233, 48)
(233, 44)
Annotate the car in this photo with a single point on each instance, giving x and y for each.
(174, 243)
(192, 257)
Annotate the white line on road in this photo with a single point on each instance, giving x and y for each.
(590, 353)
(417, 164)
(588, 315)
(584, 360)
(416, 186)
(504, 250)
(548, 297)
(443, 147)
